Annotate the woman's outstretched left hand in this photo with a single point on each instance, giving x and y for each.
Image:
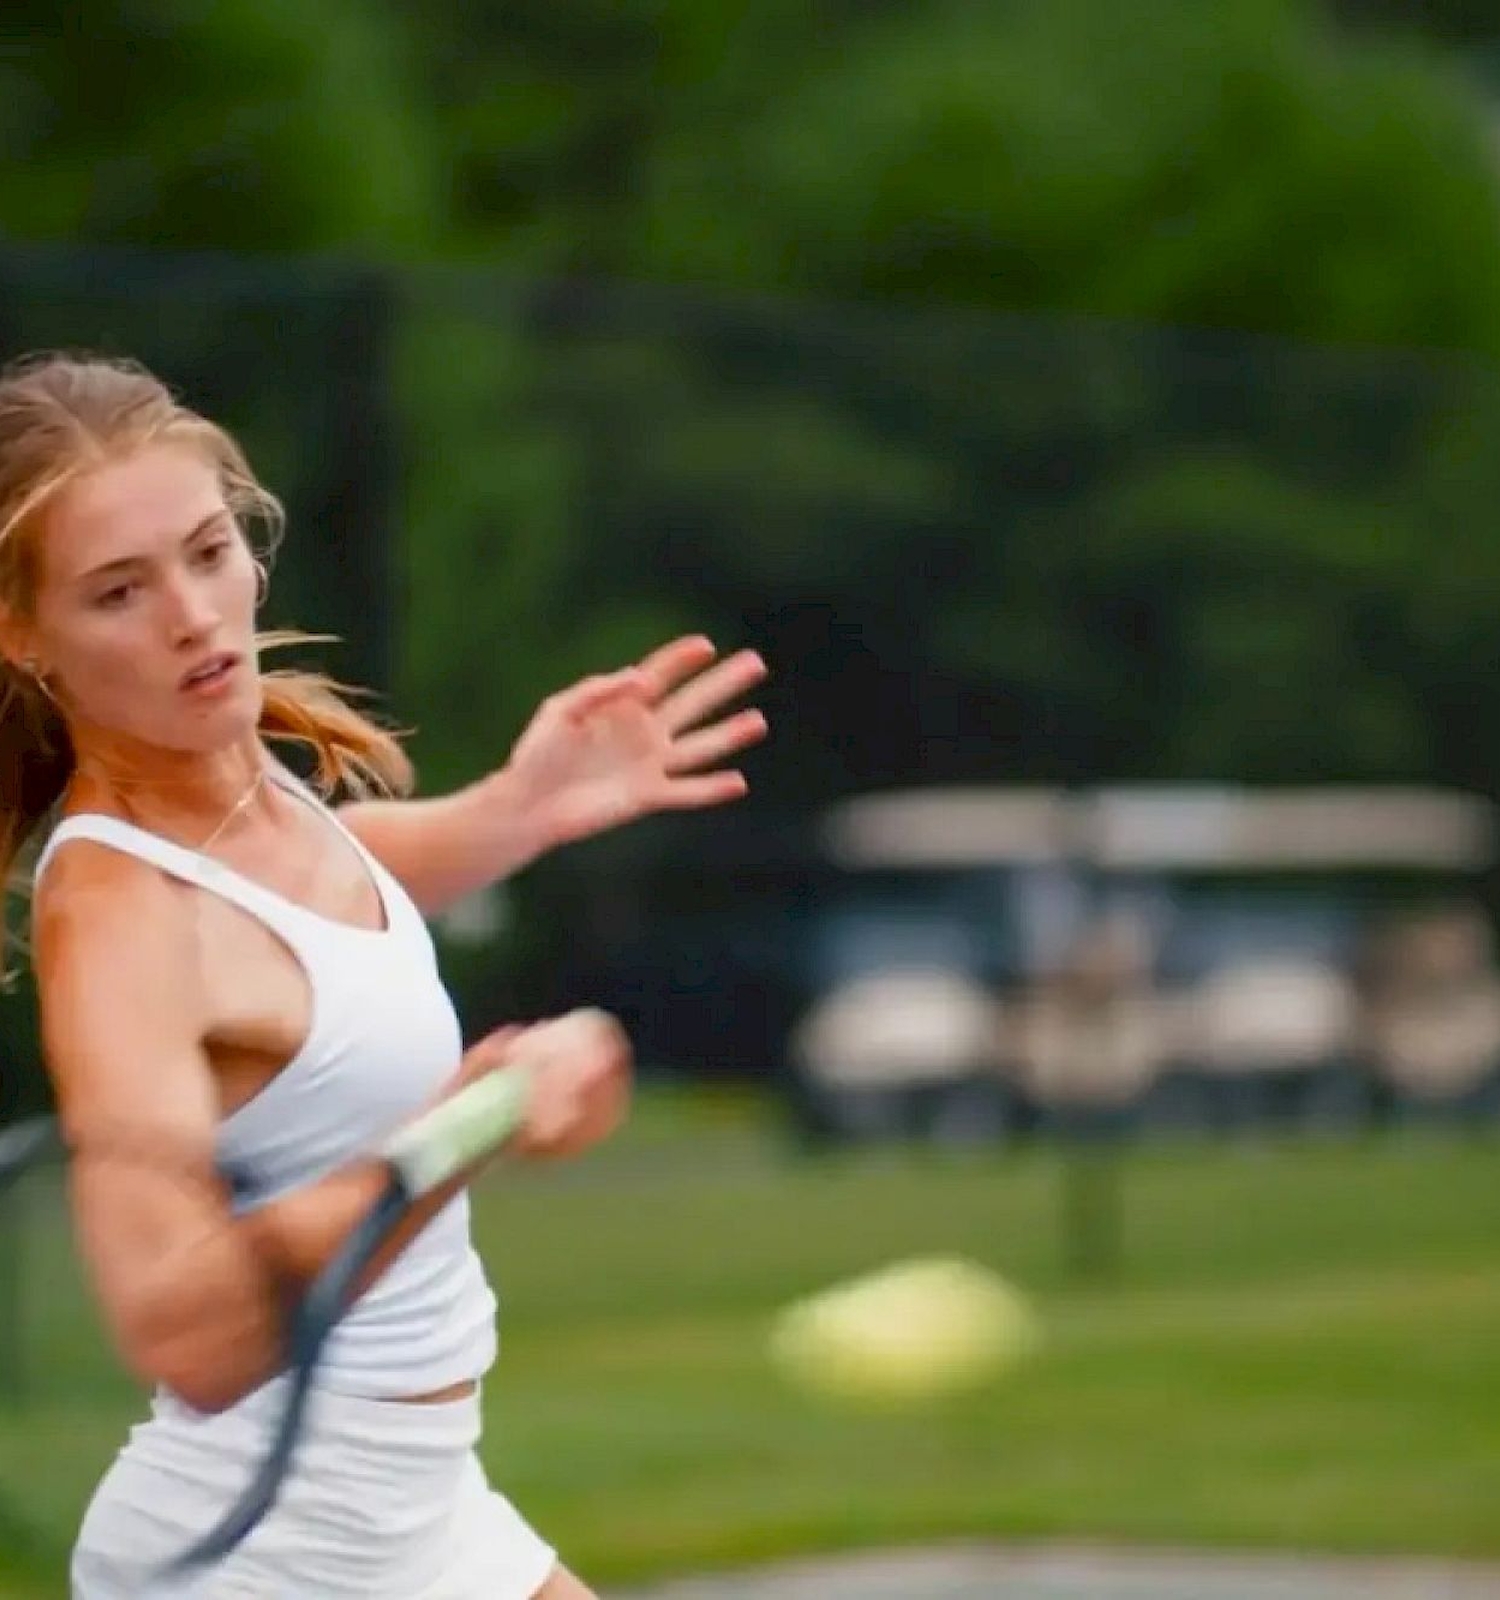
(624, 745)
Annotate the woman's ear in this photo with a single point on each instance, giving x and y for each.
(18, 644)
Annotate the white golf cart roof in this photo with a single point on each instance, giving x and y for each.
(1175, 828)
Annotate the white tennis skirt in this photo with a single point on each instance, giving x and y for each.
(387, 1501)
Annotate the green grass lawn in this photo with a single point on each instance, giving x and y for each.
(1302, 1349)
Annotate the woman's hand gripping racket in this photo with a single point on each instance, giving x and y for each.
(439, 1146)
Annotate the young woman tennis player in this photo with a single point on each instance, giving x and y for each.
(236, 978)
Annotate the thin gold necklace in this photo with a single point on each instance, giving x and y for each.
(234, 810)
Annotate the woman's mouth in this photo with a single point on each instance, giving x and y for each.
(211, 675)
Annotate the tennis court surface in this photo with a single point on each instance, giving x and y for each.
(1090, 1575)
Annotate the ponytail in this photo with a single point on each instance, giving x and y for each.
(353, 755)
(36, 762)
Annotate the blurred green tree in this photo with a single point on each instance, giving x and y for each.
(1465, 21)
(550, 112)
(1173, 554)
(248, 125)
(1094, 517)
(1239, 165)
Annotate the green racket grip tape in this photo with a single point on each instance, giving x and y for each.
(463, 1129)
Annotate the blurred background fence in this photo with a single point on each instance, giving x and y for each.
(1019, 559)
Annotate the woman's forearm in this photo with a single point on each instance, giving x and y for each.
(444, 848)
(210, 1321)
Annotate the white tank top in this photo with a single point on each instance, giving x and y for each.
(383, 1039)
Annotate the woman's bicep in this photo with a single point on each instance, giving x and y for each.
(122, 1028)
(122, 1010)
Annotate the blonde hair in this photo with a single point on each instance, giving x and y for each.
(61, 415)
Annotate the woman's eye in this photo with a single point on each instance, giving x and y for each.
(117, 596)
(212, 555)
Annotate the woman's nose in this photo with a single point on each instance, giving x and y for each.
(191, 609)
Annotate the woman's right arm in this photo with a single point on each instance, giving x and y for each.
(195, 1297)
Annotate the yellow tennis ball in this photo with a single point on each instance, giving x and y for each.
(916, 1331)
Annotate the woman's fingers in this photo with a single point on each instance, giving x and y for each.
(712, 789)
(692, 752)
(673, 663)
(710, 691)
(586, 697)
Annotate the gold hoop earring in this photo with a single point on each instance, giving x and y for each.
(33, 669)
(262, 584)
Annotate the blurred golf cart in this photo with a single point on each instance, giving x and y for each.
(1004, 960)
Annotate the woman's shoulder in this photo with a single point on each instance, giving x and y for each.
(96, 902)
(116, 963)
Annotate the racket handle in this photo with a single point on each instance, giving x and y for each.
(438, 1145)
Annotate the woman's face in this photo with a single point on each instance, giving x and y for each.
(144, 617)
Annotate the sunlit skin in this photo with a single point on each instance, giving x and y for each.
(144, 576)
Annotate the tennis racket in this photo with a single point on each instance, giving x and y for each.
(423, 1156)
(23, 1146)
(432, 1150)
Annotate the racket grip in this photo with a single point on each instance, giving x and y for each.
(438, 1145)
